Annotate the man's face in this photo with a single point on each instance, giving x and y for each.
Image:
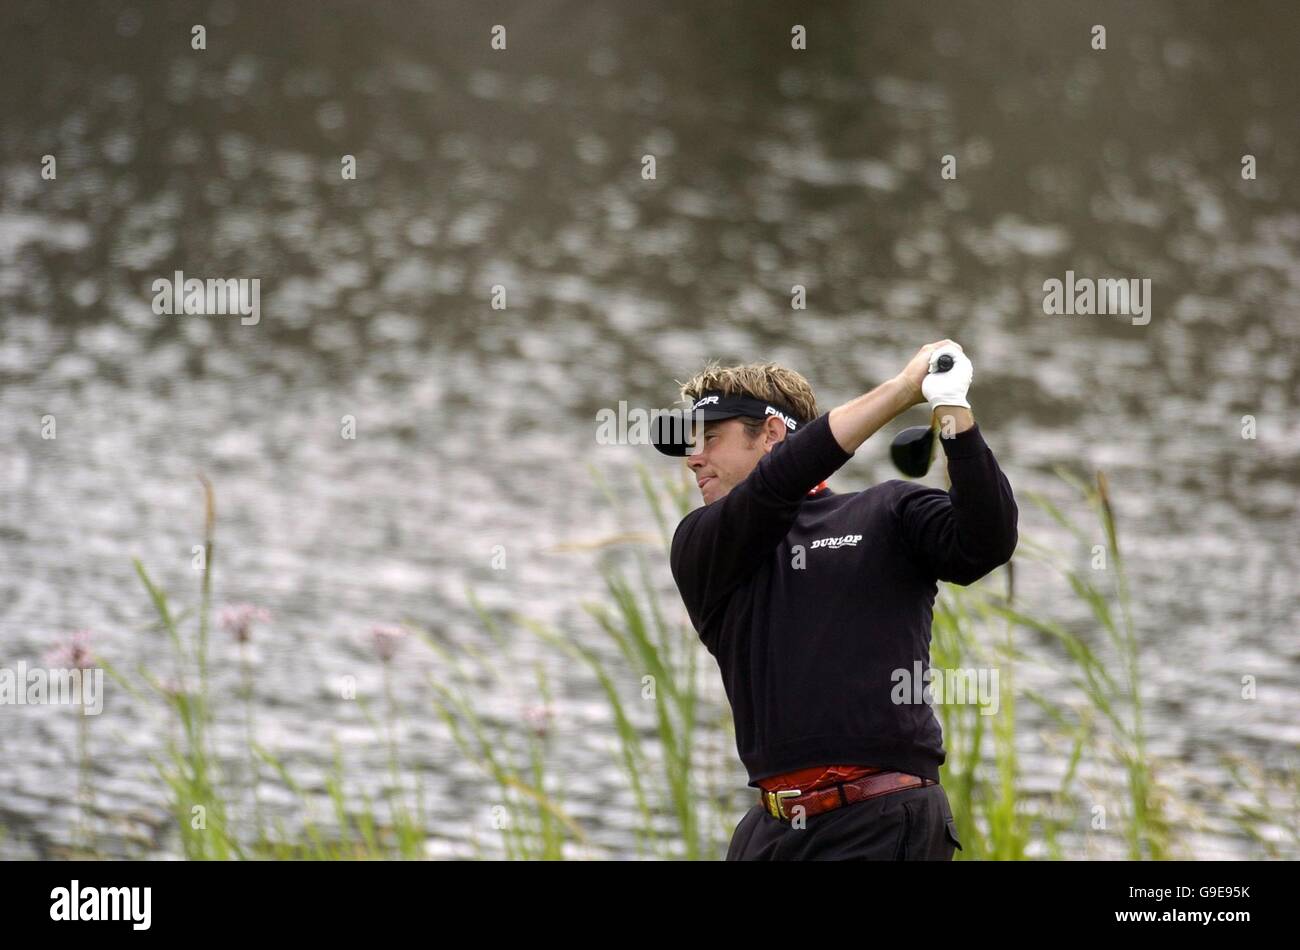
(725, 455)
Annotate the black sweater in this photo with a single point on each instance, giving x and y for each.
(807, 635)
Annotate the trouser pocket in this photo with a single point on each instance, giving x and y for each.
(950, 826)
(929, 832)
(900, 853)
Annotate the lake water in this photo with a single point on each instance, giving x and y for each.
(476, 426)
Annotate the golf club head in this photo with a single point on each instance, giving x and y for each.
(912, 450)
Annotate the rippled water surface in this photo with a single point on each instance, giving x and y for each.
(476, 425)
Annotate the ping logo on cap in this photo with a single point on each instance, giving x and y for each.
(790, 424)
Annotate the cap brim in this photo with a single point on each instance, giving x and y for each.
(671, 432)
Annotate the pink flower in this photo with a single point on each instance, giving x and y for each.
(386, 638)
(238, 620)
(73, 653)
(174, 688)
(539, 718)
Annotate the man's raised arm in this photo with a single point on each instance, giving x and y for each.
(717, 547)
(961, 534)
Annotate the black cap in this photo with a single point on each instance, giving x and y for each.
(671, 431)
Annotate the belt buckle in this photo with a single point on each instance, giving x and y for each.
(775, 801)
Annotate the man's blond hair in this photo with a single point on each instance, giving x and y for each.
(767, 381)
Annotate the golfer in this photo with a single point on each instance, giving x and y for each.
(816, 605)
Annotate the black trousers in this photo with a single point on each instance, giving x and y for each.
(915, 824)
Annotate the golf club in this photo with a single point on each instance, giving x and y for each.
(913, 449)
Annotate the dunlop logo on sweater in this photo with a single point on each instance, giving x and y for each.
(847, 540)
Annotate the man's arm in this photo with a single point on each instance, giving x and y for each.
(718, 546)
(961, 534)
(856, 421)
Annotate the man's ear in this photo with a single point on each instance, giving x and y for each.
(774, 430)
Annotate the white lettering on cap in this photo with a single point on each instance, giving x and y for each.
(790, 424)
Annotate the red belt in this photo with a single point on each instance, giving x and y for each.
(820, 800)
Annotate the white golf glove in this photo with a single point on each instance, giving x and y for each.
(948, 389)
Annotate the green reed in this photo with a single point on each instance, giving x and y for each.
(650, 667)
(200, 796)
